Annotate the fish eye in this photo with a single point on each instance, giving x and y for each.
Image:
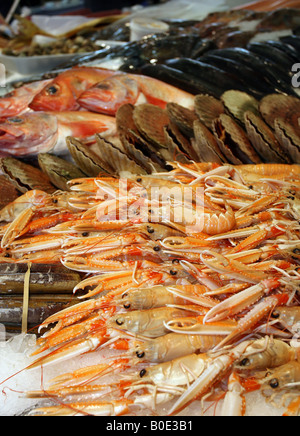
(103, 85)
(15, 120)
(150, 230)
(245, 362)
(52, 90)
(143, 373)
(120, 321)
(127, 306)
(276, 314)
(140, 355)
(274, 383)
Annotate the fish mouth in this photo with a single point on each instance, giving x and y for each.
(10, 131)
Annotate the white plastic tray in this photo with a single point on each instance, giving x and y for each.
(34, 64)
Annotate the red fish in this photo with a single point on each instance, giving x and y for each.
(107, 96)
(63, 92)
(18, 101)
(40, 132)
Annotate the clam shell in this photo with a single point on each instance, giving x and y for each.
(85, 158)
(238, 102)
(174, 149)
(109, 154)
(59, 170)
(146, 148)
(183, 118)
(151, 121)
(135, 154)
(233, 142)
(184, 145)
(25, 177)
(289, 139)
(263, 140)
(124, 120)
(149, 153)
(281, 106)
(208, 109)
(206, 145)
(8, 192)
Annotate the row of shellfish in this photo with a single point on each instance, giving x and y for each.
(168, 292)
(236, 129)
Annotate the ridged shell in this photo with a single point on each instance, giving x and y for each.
(206, 145)
(181, 141)
(208, 109)
(59, 170)
(151, 121)
(281, 106)
(183, 118)
(289, 139)
(85, 158)
(124, 120)
(8, 192)
(109, 154)
(135, 154)
(264, 140)
(233, 142)
(25, 177)
(174, 148)
(238, 103)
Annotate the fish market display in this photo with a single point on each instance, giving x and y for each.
(193, 287)
(153, 213)
(192, 39)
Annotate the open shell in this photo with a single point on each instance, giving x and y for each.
(233, 142)
(111, 155)
(151, 121)
(285, 107)
(25, 177)
(205, 145)
(124, 120)
(208, 108)
(59, 170)
(174, 149)
(181, 141)
(264, 140)
(183, 118)
(289, 139)
(8, 192)
(85, 158)
(238, 103)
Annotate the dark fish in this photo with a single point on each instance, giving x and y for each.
(289, 51)
(246, 75)
(279, 59)
(184, 81)
(281, 83)
(292, 41)
(206, 72)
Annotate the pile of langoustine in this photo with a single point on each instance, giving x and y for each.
(195, 290)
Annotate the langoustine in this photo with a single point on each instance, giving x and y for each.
(225, 287)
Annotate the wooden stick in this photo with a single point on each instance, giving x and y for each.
(26, 300)
(12, 11)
